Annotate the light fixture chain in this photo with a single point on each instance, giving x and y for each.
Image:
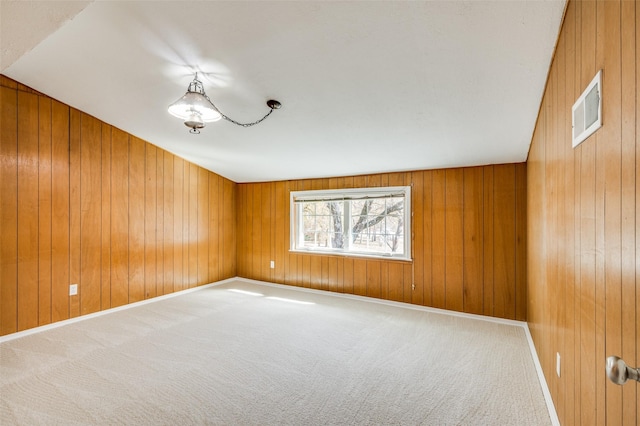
(234, 121)
(193, 108)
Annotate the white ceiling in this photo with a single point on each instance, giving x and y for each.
(366, 87)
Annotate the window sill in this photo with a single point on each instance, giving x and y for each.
(353, 255)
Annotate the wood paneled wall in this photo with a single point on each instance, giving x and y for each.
(468, 241)
(83, 202)
(584, 218)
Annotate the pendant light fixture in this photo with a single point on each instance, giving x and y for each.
(196, 109)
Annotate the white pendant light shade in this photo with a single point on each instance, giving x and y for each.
(194, 103)
(195, 108)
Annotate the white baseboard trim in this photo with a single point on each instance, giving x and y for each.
(62, 323)
(388, 303)
(555, 420)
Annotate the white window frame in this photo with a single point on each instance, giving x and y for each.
(295, 222)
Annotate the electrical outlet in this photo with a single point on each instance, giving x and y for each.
(73, 289)
(558, 363)
(413, 286)
(273, 264)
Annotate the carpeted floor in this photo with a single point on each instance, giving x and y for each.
(217, 356)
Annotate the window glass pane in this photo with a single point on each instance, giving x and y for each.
(373, 225)
(376, 207)
(337, 240)
(358, 223)
(393, 224)
(322, 224)
(381, 229)
(323, 208)
(359, 207)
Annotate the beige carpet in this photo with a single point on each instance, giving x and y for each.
(217, 356)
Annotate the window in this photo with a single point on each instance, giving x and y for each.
(365, 222)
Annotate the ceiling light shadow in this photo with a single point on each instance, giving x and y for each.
(181, 54)
(248, 293)
(283, 299)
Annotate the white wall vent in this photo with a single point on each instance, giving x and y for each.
(587, 111)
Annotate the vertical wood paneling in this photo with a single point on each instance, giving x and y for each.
(407, 270)
(120, 218)
(192, 256)
(600, 282)
(577, 155)
(611, 155)
(59, 212)
(487, 242)
(348, 276)
(359, 277)
(454, 249)
(629, 292)
(75, 246)
(266, 228)
(473, 237)
(314, 277)
(222, 231)
(27, 211)
(257, 232)
(384, 280)
(214, 255)
(438, 238)
(90, 214)
(286, 279)
(280, 224)
(221, 225)
(178, 223)
(9, 211)
(137, 157)
(105, 251)
(324, 268)
(373, 278)
(168, 256)
(44, 210)
(427, 232)
(335, 278)
(186, 237)
(449, 267)
(159, 250)
(203, 226)
(567, 410)
(150, 220)
(584, 224)
(551, 310)
(303, 277)
(240, 208)
(591, 199)
(521, 243)
(395, 277)
(587, 276)
(504, 234)
(242, 229)
(560, 337)
(588, 231)
(229, 236)
(629, 313)
(421, 244)
(84, 203)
